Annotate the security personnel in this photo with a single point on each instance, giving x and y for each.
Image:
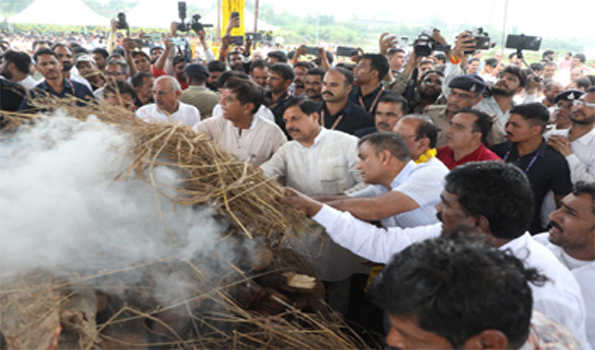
(466, 92)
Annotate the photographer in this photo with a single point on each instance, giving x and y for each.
(499, 99)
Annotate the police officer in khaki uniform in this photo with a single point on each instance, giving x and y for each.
(466, 92)
(197, 94)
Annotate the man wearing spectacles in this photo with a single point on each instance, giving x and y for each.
(116, 70)
(560, 113)
(428, 90)
(577, 144)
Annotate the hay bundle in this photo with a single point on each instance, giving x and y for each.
(237, 190)
(257, 306)
(40, 311)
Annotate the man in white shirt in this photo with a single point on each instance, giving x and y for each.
(239, 131)
(167, 107)
(455, 293)
(15, 67)
(400, 192)
(577, 144)
(492, 198)
(319, 162)
(572, 240)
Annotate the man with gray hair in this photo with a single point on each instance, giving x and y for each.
(167, 107)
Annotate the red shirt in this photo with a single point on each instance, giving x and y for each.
(447, 156)
(159, 72)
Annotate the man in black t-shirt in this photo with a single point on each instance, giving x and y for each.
(337, 112)
(545, 167)
(369, 72)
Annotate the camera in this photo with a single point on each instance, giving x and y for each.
(196, 25)
(314, 51)
(424, 45)
(121, 21)
(482, 40)
(254, 37)
(523, 42)
(194, 22)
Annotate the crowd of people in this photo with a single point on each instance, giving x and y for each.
(456, 193)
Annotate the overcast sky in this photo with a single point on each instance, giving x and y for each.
(532, 17)
(559, 19)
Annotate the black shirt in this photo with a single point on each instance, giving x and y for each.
(278, 108)
(368, 102)
(71, 88)
(366, 131)
(549, 171)
(352, 118)
(11, 95)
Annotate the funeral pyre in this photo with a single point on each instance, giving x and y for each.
(118, 234)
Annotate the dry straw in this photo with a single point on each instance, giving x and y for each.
(37, 303)
(234, 188)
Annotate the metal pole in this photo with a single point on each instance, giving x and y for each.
(504, 27)
(256, 5)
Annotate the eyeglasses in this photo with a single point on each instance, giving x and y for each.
(581, 102)
(433, 81)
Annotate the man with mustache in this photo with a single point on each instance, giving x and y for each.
(338, 112)
(466, 137)
(319, 162)
(54, 83)
(66, 59)
(546, 169)
(560, 114)
(491, 198)
(258, 73)
(391, 108)
(577, 144)
(300, 69)
(461, 288)
(367, 75)
(499, 101)
(313, 84)
(572, 239)
(428, 90)
(279, 78)
(465, 92)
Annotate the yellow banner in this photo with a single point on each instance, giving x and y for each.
(227, 7)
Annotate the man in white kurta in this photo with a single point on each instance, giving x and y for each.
(167, 107)
(476, 184)
(319, 162)
(572, 240)
(239, 131)
(577, 144)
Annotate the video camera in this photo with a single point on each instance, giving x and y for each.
(482, 40)
(194, 23)
(523, 42)
(425, 44)
(121, 23)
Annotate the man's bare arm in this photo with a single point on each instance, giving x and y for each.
(326, 199)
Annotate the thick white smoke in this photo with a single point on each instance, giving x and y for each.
(60, 208)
